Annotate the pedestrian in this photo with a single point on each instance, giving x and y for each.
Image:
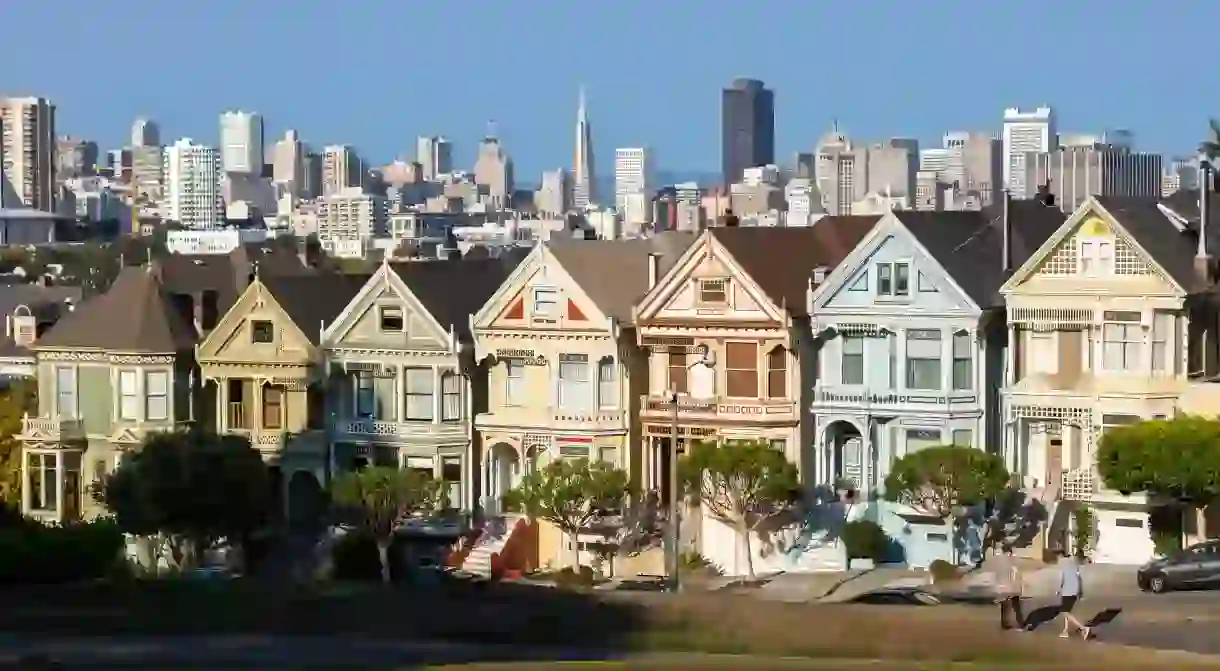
(1070, 590)
(1009, 587)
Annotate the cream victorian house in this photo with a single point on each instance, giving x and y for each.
(402, 374)
(109, 372)
(1110, 321)
(261, 366)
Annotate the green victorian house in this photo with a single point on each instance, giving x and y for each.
(109, 371)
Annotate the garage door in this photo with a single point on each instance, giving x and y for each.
(1122, 538)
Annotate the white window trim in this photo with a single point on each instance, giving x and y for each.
(510, 400)
(863, 360)
(136, 394)
(1097, 268)
(74, 411)
(534, 312)
(407, 394)
(590, 382)
(147, 397)
(1142, 340)
(54, 508)
(892, 295)
(726, 289)
(612, 402)
(457, 380)
(402, 314)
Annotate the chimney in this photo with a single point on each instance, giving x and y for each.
(654, 267)
(1203, 259)
(1007, 232)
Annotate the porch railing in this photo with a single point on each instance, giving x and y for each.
(239, 416)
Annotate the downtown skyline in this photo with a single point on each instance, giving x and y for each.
(629, 103)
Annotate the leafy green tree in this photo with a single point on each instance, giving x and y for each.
(742, 483)
(15, 401)
(1211, 147)
(944, 479)
(1177, 459)
(569, 493)
(376, 499)
(190, 489)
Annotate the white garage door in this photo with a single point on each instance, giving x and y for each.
(1122, 538)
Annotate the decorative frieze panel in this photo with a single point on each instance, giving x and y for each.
(104, 357)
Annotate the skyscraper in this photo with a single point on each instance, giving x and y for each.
(192, 185)
(28, 152)
(583, 176)
(434, 155)
(1025, 132)
(632, 173)
(145, 133)
(241, 142)
(747, 118)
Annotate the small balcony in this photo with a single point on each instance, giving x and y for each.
(369, 429)
(550, 418)
(854, 396)
(659, 407)
(51, 429)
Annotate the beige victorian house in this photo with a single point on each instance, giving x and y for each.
(402, 376)
(1109, 322)
(109, 372)
(262, 370)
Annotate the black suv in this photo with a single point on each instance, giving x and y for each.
(1196, 567)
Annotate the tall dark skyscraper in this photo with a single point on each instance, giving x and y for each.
(747, 122)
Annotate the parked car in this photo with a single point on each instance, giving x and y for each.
(1196, 567)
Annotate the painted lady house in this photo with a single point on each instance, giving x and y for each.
(731, 354)
(912, 331)
(565, 375)
(402, 371)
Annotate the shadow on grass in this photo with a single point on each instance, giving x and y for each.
(1040, 616)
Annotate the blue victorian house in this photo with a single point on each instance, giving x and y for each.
(911, 327)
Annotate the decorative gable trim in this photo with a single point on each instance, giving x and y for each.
(512, 292)
(1089, 207)
(838, 278)
(375, 287)
(255, 296)
(574, 313)
(386, 283)
(508, 289)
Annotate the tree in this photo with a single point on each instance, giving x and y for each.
(191, 489)
(742, 483)
(1211, 147)
(1177, 458)
(19, 398)
(569, 493)
(944, 479)
(377, 498)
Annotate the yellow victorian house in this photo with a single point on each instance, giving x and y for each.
(261, 369)
(564, 373)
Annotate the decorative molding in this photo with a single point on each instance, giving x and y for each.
(363, 355)
(107, 357)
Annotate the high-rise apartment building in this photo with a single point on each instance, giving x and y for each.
(74, 158)
(553, 197)
(148, 172)
(584, 175)
(747, 123)
(632, 173)
(192, 185)
(145, 133)
(1025, 132)
(435, 156)
(1077, 172)
(493, 170)
(342, 169)
(288, 164)
(241, 142)
(351, 214)
(28, 152)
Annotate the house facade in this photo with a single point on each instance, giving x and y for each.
(1110, 318)
(910, 327)
(402, 373)
(109, 372)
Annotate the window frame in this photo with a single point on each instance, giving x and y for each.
(129, 399)
(911, 361)
(451, 396)
(753, 373)
(677, 361)
(387, 311)
(60, 395)
(260, 326)
(150, 395)
(39, 499)
(961, 367)
(537, 313)
(777, 372)
(607, 383)
(265, 404)
(1161, 334)
(408, 393)
(1090, 259)
(846, 357)
(706, 286)
(514, 384)
(365, 400)
(1130, 351)
(895, 279)
(573, 394)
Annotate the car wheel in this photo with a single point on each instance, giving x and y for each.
(1158, 585)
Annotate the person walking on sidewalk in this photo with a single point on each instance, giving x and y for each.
(1009, 587)
(1070, 589)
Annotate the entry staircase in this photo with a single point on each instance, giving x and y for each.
(490, 542)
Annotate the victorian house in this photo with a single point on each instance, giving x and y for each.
(262, 374)
(402, 372)
(109, 372)
(731, 351)
(1114, 321)
(565, 375)
(911, 332)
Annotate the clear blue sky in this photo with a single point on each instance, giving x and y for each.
(375, 74)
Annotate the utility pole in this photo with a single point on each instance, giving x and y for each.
(675, 520)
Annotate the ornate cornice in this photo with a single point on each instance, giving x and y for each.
(106, 357)
(355, 354)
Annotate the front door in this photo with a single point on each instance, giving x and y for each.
(1054, 462)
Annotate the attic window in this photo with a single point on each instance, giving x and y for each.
(714, 292)
(391, 320)
(261, 331)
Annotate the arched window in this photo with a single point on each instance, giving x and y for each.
(777, 373)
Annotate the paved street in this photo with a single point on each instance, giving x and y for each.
(1176, 621)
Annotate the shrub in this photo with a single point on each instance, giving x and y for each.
(355, 558)
(942, 571)
(1084, 526)
(34, 553)
(582, 576)
(865, 539)
(1165, 528)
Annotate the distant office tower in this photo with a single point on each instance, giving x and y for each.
(493, 169)
(632, 173)
(584, 170)
(747, 120)
(241, 142)
(805, 165)
(192, 185)
(148, 172)
(434, 155)
(341, 169)
(1075, 173)
(311, 187)
(1025, 132)
(1182, 173)
(145, 133)
(28, 152)
(74, 158)
(288, 164)
(553, 197)
(118, 161)
(892, 165)
(967, 170)
(351, 214)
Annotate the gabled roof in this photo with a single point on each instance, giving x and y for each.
(1172, 248)
(614, 273)
(228, 274)
(1185, 203)
(452, 290)
(969, 245)
(312, 300)
(781, 259)
(134, 315)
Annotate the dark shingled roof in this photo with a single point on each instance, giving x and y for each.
(46, 303)
(134, 315)
(313, 299)
(781, 259)
(969, 245)
(614, 273)
(452, 290)
(1172, 248)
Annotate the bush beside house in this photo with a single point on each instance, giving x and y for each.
(35, 553)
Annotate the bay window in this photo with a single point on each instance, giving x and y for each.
(777, 373)
(514, 381)
(65, 392)
(607, 387)
(1122, 341)
(451, 397)
(575, 390)
(963, 362)
(129, 395)
(923, 359)
(852, 360)
(42, 477)
(420, 385)
(741, 368)
(156, 395)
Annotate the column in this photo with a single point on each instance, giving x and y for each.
(437, 395)
(400, 395)
(222, 419)
(256, 398)
(900, 358)
(946, 359)
(1010, 356)
(1149, 317)
(59, 485)
(27, 502)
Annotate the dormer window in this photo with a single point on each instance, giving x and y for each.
(1096, 258)
(714, 292)
(262, 331)
(894, 279)
(391, 319)
(546, 303)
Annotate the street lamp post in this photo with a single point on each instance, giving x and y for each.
(675, 520)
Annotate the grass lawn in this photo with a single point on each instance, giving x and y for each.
(607, 625)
